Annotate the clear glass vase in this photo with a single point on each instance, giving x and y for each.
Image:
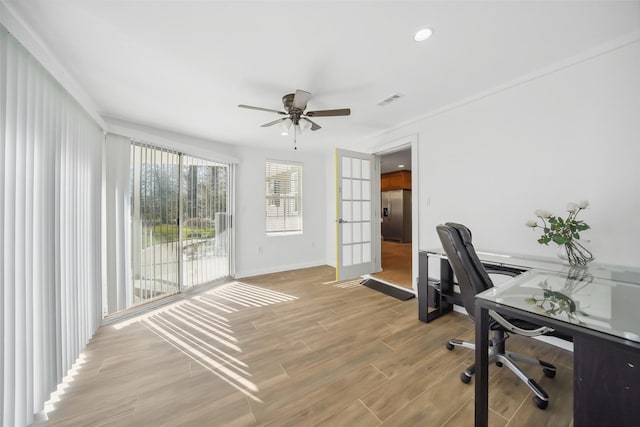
(575, 253)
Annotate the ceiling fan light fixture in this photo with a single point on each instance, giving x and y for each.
(295, 105)
(423, 34)
(305, 125)
(284, 127)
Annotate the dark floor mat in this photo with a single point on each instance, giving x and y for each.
(392, 291)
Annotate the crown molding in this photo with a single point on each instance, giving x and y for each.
(32, 42)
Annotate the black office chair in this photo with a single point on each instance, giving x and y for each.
(473, 279)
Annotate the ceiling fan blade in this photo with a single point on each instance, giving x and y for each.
(275, 122)
(300, 99)
(314, 125)
(329, 113)
(261, 109)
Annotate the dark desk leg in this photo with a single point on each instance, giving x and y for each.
(434, 299)
(482, 366)
(423, 288)
(446, 286)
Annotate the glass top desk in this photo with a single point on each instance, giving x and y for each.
(527, 262)
(433, 306)
(600, 307)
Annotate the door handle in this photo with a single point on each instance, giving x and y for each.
(342, 221)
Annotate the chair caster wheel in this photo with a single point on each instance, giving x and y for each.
(499, 364)
(542, 404)
(549, 373)
(465, 378)
(450, 346)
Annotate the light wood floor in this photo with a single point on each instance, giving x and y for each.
(287, 350)
(396, 263)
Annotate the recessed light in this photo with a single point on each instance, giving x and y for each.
(423, 34)
(400, 166)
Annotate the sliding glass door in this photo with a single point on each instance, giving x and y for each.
(205, 236)
(179, 230)
(155, 246)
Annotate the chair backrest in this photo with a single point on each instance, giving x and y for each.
(470, 273)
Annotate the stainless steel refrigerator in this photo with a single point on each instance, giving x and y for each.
(396, 215)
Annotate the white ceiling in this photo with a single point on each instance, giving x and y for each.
(185, 65)
(391, 162)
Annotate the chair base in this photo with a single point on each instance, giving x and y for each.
(500, 357)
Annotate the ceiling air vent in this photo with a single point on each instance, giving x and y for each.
(389, 99)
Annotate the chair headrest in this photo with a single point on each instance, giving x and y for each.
(464, 235)
(463, 230)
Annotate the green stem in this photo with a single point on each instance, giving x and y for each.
(577, 254)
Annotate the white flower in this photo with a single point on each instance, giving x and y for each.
(542, 213)
(532, 224)
(583, 204)
(572, 207)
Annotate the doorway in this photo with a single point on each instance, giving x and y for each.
(396, 218)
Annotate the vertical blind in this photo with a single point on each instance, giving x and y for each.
(166, 225)
(50, 180)
(283, 197)
(117, 295)
(154, 222)
(205, 221)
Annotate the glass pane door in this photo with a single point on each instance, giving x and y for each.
(205, 235)
(154, 218)
(354, 173)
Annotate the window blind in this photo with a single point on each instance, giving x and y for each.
(50, 210)
(283, 197)
(205, 221)
(154, 223)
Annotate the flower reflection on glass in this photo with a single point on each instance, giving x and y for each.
(565, 232)
(559, 304)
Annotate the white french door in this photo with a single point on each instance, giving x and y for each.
(355, 220)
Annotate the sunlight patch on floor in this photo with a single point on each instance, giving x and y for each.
(57, 395)
(350, 284)
(247, 295)
(199, 328)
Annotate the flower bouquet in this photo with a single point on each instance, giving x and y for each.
(565, 232)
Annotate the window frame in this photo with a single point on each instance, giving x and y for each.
(295, 198)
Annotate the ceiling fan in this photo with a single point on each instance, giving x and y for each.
(295, 105)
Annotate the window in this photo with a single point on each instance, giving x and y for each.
(283, 197)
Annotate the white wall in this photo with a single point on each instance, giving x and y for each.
(258, 253)
(562, 136)
(193, 146)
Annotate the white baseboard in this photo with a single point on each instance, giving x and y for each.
(278, 269)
